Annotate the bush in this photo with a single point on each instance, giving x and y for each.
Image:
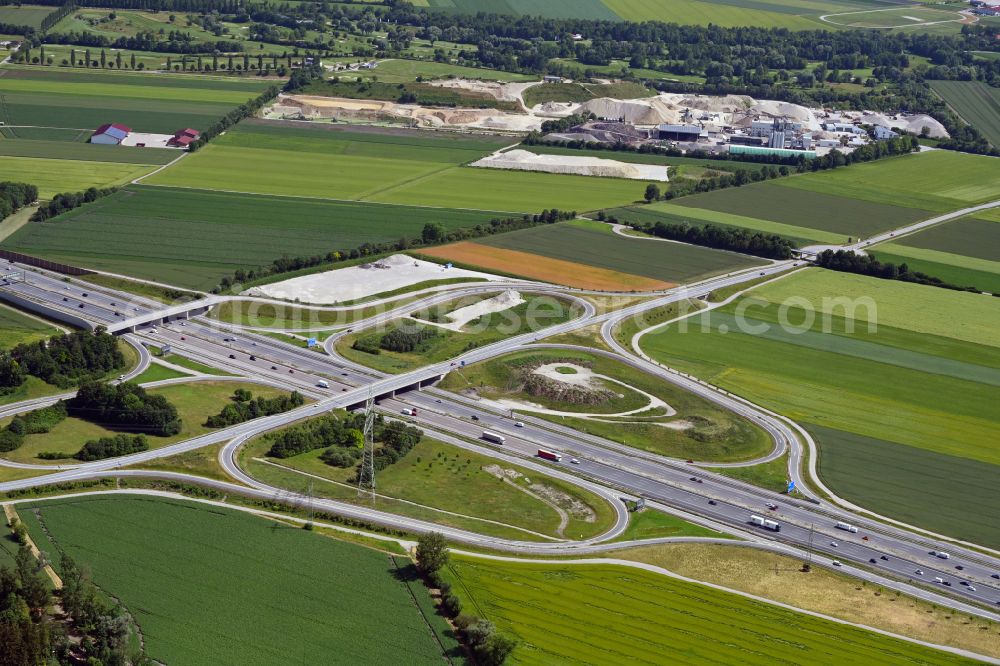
(111, 447)
(126, 406)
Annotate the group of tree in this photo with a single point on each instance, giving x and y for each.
(757, 243)
(125, 406)
(396, 439)
(67, 201)
(342, 434)
(14, 196)
(121, 444)
(244, 407)
(432, 234)
(245, 110)
(37, 421)
(26, 630)
(488, 646)
(106, 628)
(63, 360)
(397, 340)
(866, 264)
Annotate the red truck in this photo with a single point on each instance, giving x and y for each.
(550, 455)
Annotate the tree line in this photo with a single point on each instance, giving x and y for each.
(866, 264)
(67, 201)
(14, 196)
(432, 234)
(63, 360)
(175, 41)
(488, 646)
(757, 243)
(396, 340)
(125, 406)
(244, 407)
(245, 110)
(117, 445)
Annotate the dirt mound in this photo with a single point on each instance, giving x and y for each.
(636, 112)
(784, 110)
(714, 103)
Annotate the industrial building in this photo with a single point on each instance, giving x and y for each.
(680, 132)
(111, 134)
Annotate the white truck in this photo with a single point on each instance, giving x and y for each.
(323, 383)
(943, 555)
(407, 411)
(766, 523)
(847, 527)
(494, 437)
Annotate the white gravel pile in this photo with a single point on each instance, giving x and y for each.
(653, 111)
(346, 284)
(462, 316)
(522, 160)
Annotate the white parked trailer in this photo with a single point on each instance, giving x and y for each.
(847, 527)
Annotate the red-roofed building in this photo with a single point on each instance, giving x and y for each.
(110, 134)
(184, 138)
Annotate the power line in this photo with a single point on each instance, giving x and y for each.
(366, 475)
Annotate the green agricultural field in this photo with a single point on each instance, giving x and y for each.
(449, 486)
(87, 152)
(86, 99)
(410, 168)
(939, 180)
(577, 9)
(536, 313)
(726, 14)
(29, 15)
(54, 176)
(925, 382)
(965, 252)
(799, 208)
(195, 402)
(699, 430)
(147, 231)
(905, 18)
(310, 596)
(595, 244)
(977, 103)
(17, 328)
(602, 613)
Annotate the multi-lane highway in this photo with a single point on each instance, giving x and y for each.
(604, 465)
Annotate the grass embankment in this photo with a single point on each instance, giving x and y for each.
(653, 524)
(535, 314)
(603, 613)
(771, 475)
(444, 484)
(195, 402)
(699, 430)
(17, 328)
(904, 412)
(779, 578)
(233, 562)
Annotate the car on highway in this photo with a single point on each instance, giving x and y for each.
(252, 357)
(947, 583)
(121, 378)
(696, 479)
(873, 560)
(574, 461)
(274, 367)
(84, 294)
(81, 305)
(183, 338)
(995, 576)
(518, 424)
(232, 356)
(712, 502)
(972, 588)
(836, 563)
(474, 417)
(833, 544)
(65, 298)
(964, 582)
(919, 572)
(960, 567)
(938, 579)
(772, 506)
(884, 558)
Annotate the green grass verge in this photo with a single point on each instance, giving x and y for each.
(653, 524)
(195, 402)
(449, 486)
(17, 328)
(701, 430)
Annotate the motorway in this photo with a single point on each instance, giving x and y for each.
(607, 466)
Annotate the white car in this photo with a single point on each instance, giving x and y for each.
(574, 461)
(518, 424)
(919, 572)
(833, 543)
(836, 563)
(972, 588)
